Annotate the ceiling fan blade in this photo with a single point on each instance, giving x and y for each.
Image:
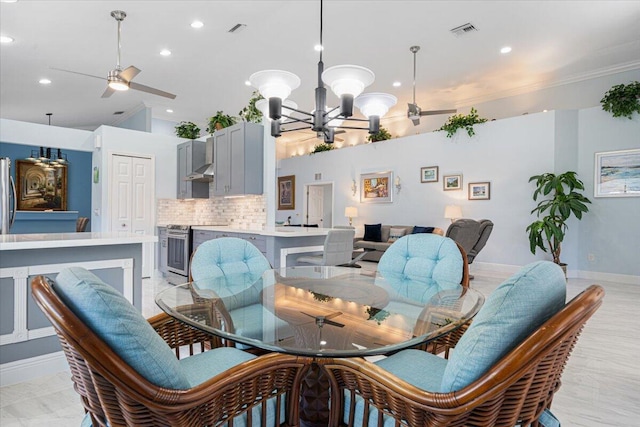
(75, 72)
(129, 73)
(436, 112)
(153, 91)
(108, 92)
(332, 323)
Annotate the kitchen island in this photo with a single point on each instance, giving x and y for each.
(276, 243)
(29, 347)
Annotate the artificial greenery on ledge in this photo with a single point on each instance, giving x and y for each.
(322, 147)
(250, 113)
(459, 121)
(381, 135)
(220, 121)
(187, 130)
(622, 100)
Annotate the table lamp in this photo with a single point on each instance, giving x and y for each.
(452, 212)
(351, 212)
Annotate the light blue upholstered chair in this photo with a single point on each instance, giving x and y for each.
(425, 257)
(226, 256)
(503, 371)
(126, 373)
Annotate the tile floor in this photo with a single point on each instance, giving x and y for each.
(601, 384)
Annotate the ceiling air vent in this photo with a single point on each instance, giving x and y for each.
(237, 28)
(117, 113)
(464, 29)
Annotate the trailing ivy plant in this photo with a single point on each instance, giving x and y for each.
(622, 100)
(187, 130)
(459, 121)
(381, 135)
(220, 121)
(250, 113)
(322, 147)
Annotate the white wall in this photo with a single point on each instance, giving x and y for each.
(505, 152)
(44, 135)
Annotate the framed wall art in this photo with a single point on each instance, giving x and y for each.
(376, 187)
(40, 188)
(479, 191)
(286, 192)
(429, 174)
(617, 174)
(452, 182)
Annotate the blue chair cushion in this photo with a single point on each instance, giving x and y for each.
(423, 257)
(511, 313)
(225, 256)
(419, 368)
(119, 324)
(204, 366)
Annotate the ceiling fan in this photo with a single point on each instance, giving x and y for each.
(119, 79)
(414, 112)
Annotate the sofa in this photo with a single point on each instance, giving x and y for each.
(375, 243)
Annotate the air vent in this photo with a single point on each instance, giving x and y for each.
(117, 113)
(237, 28)
(464, 29)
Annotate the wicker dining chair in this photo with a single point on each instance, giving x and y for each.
(414, 388)
(120, 384)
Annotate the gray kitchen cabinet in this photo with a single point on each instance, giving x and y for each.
(238, 154)
(162, 250)
(256, 240)
(201, 236)
(191, 156)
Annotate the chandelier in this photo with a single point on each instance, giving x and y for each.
(46, 157)
(346, 81)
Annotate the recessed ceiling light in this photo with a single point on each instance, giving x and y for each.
(544, 111)
(247, 83)
(318, 48)
(44, 81)
(6, 39)
(397, 84)
(197, 24)
(9, 1)
(165, 52)
(169, 110)
(505, 49)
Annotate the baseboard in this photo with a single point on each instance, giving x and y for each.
(32, 368)
(487, 268)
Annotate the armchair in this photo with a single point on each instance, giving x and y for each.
(127, 374)
(504, 371)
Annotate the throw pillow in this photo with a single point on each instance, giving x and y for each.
(395, 234)
(418, 229)
(372, 232)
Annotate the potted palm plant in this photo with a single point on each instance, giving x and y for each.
(187, 130)
(561, 199)
(220, 121)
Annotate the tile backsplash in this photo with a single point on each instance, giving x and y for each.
(249, 212)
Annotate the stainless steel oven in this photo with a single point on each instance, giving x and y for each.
(178, 252)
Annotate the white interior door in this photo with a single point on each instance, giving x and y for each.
(315, 205)
(132, 201)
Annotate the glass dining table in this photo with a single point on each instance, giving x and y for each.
(322, 312)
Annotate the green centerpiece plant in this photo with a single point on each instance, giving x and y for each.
(322, 147)
(622, 100)
(382, 135)
(187, 130)
(460, 121)
(220, 121)
(560, 199)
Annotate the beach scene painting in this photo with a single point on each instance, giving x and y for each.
(617, 174)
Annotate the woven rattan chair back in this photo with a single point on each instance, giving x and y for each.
(515, 391)
(112, 392)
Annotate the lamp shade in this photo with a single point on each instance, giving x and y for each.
(263, 106)
(348, 79)
(375, 104)
(274, 83)
(351, 212)
(452, 212)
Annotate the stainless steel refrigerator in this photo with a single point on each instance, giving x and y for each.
(8, 196)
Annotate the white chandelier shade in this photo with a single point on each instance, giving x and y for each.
(274, 83)
(375, 103)
(348, 79)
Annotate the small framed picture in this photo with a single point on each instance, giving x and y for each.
(479, 190)
(287, 192)
(452, 182)
(617, 174)
(429, 174)
(376, 187)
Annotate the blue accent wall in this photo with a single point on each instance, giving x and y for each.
(79, 175)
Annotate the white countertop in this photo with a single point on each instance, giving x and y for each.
(66, 240)
(268, 231)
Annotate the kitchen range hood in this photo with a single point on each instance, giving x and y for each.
(204, 173)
